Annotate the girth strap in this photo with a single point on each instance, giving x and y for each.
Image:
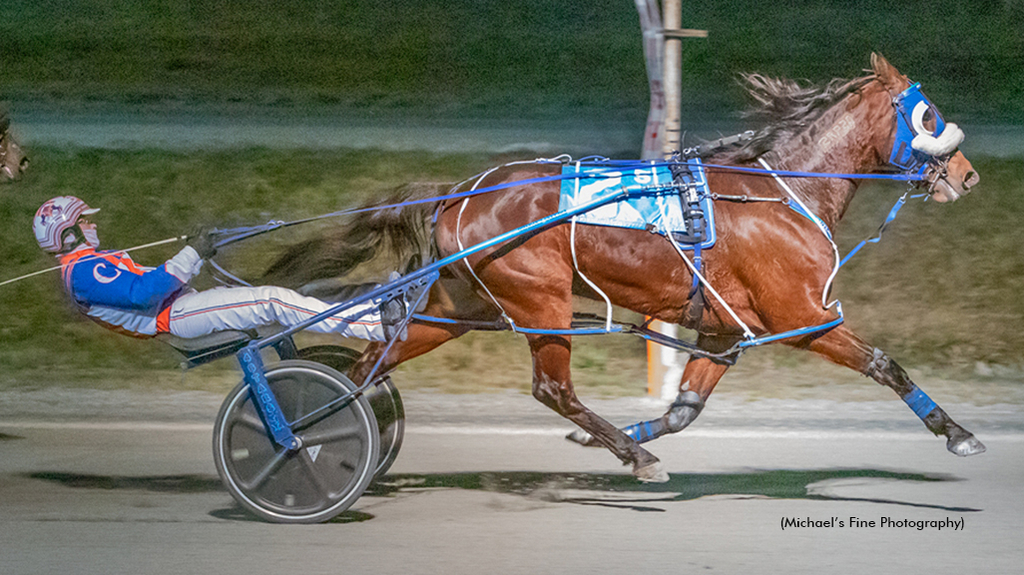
(695, 310)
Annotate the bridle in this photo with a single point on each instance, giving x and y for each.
(7, 147)
(3, 147)
(5, 170)
(5, 124)
(915, 149)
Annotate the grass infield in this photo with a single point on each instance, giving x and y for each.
(940, 293)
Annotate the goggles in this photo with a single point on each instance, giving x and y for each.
(915, 144)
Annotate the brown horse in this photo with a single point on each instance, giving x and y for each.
(771, 265)
(13, 161)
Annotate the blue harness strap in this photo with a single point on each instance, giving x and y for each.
(888, 220)
(697, 261)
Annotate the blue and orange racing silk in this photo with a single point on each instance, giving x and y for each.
(111, 289)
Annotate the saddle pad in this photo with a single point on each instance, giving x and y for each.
(656, 205)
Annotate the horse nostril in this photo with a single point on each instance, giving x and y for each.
(971, 178)
(24, 164)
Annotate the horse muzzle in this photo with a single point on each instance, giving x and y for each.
(951, 180)
(13, 163)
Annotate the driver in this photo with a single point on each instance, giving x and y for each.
(114, 291)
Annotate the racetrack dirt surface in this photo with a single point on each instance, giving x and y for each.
(95, 481)
(125, 483)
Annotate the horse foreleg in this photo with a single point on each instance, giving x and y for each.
(700, 376)
(843, 347)
(552, 386)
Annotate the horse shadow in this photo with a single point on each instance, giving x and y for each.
(620, 491)
(623, 491)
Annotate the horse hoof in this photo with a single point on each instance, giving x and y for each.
(583, 438)
(967, 446)
(651, 473)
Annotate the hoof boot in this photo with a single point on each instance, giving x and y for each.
(651, 473)
(583, 438)
(967, 446)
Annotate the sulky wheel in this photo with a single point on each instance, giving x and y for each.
(326, 475)
(383, 397)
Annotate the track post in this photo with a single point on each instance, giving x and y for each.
(663, 52)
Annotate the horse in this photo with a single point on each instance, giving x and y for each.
(772, 266)
(13, 161)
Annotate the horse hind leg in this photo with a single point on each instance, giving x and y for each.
(447, 299)
(686, 407)
(553, 387)
(843, 347)
(699, 379)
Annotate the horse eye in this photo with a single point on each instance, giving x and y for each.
(929, 120)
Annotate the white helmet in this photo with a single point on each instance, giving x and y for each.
(54, 217)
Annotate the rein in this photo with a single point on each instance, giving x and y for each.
(85, 259)
(234, 235)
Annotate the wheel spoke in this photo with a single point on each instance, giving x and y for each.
(314, 474)
(275, 463)
(319, 414)
(251, 421)
(300, 403)
(330, 436)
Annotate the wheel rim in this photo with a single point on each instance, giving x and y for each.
(321, 479)
(383, 397)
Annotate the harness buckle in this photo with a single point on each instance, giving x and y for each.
(935, 170)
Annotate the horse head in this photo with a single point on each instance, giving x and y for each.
(920, 141)
(13, 161)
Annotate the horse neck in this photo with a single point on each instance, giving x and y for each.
(845, 139)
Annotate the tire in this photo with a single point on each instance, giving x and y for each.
(383, 397)
(326, 475)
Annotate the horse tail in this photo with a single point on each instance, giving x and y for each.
(400, 232)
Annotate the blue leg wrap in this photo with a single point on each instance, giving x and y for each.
(684, 410)
(919, 402)
(645, 430)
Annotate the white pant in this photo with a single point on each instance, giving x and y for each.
(240, 308)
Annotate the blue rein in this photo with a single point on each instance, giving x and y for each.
(888, 220)
(233, 235)
(238, 234)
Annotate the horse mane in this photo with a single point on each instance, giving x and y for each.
(388, 228)
(402, 232)
(786, 107)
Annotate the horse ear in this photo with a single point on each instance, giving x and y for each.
(887, 73)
